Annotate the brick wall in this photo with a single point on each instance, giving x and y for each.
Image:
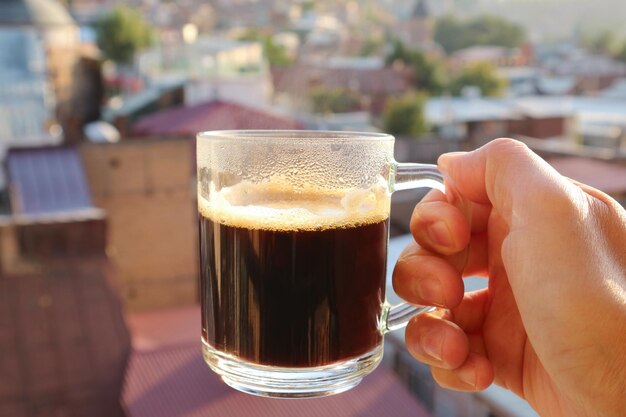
(148, 191)
(539, 128)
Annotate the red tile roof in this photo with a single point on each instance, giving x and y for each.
(63, 342)
(212, 115)
(175, 382)
(609, 177)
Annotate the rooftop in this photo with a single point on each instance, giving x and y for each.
(211, 115)
(372, 81)
(440, 110)
(605, 176)
(168, 378)
(33, 12)
(617, 90)
(477, 53)
(53, 321)
(47, 180)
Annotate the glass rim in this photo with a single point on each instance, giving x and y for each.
(313, 136)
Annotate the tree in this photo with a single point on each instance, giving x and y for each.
(482, 75)
(121, 33)
(448, 33)
(621, 55)
(428, 74)
(404, 116)
(370, 47)
(308, 6)
(602, 43)
(454, 34)
(276, 54)
(326, 100)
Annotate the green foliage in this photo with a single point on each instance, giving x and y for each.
(308, 5)
(326, 100)
(481, 75)
(607, 43)
(602, 43)
(621, 54)
(399, 53)
(276, 54)
(429, 74)
(121, 33)
(370, 46)
(454, 34)
(404, 116)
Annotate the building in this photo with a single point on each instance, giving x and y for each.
(48, 88)
(247, 14)
(366, 77)
(63, 338)
(616, 90)
(418, 30)
(157, 97)
(496, 56)
(596, 121)
(27, 105)
(530, 81)
(147, 189)
(44, 74)
(209, 66)
(593, 73)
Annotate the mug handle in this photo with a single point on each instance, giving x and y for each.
(407, 176)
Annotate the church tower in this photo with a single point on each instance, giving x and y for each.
(421, 26)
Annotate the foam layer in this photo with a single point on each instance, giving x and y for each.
(277, 205)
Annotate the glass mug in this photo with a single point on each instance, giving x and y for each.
(294, 228)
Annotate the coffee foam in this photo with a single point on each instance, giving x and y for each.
(278, 205)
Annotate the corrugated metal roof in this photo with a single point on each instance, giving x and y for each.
(47, 180)
(175, 382)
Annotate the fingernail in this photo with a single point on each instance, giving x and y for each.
(430, 292)
(432, 344)
(444, 160)
(468, 375)
(440, 234)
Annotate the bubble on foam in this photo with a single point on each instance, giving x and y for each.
(278, 205)
(365, 200)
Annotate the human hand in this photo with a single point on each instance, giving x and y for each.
(551, 326)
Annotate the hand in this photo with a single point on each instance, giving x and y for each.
(551, 326)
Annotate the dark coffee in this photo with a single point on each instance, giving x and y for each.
(292, 298)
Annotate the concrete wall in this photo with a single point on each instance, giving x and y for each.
(147, 189)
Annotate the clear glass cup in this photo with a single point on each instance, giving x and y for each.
(294, 228)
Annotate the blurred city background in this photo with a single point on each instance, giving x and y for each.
(99, 104)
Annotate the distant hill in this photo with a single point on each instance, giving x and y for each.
(543, 19)
(553, 19)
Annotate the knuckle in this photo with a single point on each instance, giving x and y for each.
(506, 145)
